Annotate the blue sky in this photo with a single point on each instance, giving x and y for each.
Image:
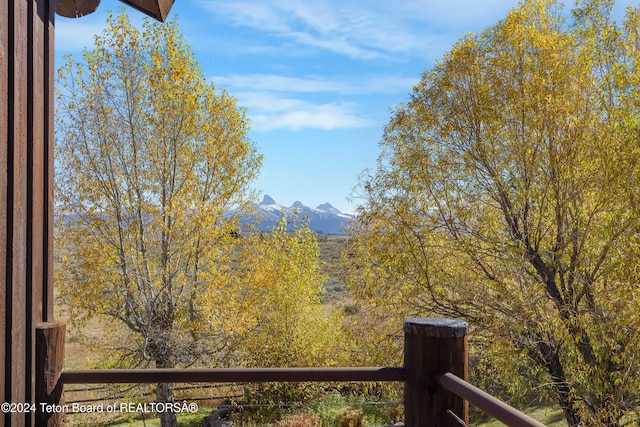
(318, 78)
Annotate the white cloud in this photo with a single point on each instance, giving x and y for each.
(271, 111)
(314, 84)
(323, 117)
(363, 29)
(277, 101)
(279, 83)
(339, 28)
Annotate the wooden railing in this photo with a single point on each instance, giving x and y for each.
(435, 373)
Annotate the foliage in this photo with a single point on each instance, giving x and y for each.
(289, 326)
(284, 300)
(506, 194)
(150, 155)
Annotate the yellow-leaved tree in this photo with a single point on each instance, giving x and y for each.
(149, 158)
(507, 194)
(290, 325)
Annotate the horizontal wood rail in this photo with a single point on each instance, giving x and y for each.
(435, 371)
(256, 375)
(487, 403)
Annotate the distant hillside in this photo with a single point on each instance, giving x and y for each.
(323, 219)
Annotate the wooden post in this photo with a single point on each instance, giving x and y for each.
(49, 407)
(433, 347)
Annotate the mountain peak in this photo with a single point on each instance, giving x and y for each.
(267, 200)
(323, 219)
(327, 207)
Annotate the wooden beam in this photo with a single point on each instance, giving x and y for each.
(489, 404)
(157, 9)
(150, 376)
(5, 100)
(49, 365)
(76, 8)
(19, 323)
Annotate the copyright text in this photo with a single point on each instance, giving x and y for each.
(123, 407)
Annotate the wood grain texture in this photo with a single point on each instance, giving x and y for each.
(433, 347)
(76, 8)
(4, 135)
(49, 365)
(26, 193)
(17, 209)
(50, 77)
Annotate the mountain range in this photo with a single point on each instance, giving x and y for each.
(324, 219)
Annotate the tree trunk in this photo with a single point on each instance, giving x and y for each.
(542, 353)
(564, 391)
(164, 394)
(570, 413)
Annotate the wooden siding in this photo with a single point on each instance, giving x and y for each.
(26, 176)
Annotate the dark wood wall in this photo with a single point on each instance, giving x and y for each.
(26, 193)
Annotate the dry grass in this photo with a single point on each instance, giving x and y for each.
(330, 257)
(350, 418)
(300, 420)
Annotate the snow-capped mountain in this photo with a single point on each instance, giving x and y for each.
(322, 219)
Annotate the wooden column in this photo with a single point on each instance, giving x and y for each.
(434, 347)
(26, 194)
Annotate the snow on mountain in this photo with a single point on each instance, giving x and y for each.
(328, 208)
(323, 219)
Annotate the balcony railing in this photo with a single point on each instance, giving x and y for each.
(435, 372)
